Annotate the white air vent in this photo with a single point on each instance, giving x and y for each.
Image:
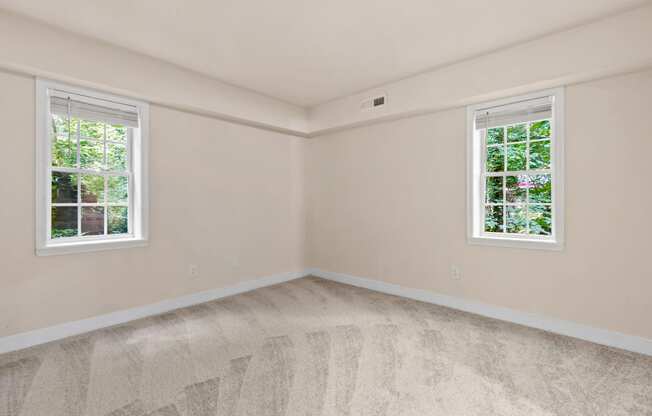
(374, 102)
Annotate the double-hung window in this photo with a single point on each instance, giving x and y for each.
(91, 170)
(515, 170)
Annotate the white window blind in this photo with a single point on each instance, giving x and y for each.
(529, 110)
(87, 108)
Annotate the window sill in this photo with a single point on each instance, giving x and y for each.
(89, 246)
(517, 243)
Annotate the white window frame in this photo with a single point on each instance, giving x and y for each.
(138, 185)
(475, 174)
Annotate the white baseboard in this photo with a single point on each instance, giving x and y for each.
(558, 326)
(53, 333)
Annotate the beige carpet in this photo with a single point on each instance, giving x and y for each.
(314, 347)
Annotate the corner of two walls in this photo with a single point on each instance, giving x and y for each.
(226, 196)
(386, 190)
(384, 201)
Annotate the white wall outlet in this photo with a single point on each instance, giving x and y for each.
(456, 273)
(193, 271)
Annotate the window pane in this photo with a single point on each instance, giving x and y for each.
(64, 187)
(92, 221)
(116, 157)
(116, 133)
(540, 130)
(495, 135)
(64, 153)
(118, 189)
(495, 159)
(61, 128)
(516, 188)
(494, 189)
(540, 188)
(540, 155)
(540, 219)
(516, 221)
(91, 129)
(516, 159)
(517, 133)
(118, 220)
(91, 154)
(92, 189)
(493, 219)
(64, 222)
(64, 146)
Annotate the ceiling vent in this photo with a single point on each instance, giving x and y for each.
(374, 102)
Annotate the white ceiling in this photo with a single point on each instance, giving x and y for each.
(307, 52)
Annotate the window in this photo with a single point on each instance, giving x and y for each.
(91, 166)
(515, 171)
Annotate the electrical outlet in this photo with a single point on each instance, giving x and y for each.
(456, 273)
(193, 271)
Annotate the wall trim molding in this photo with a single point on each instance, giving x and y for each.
(32, 73)
(572, 329)
(68, 329)
(622, 50)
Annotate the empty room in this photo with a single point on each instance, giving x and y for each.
(326, 208)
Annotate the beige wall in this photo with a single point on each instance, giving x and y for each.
(385, 201)
(388, 202)
(223, 196)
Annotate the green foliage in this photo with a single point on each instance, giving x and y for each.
(516, 157)
(116, 157)
(92, 188)
(532, 194)
(495, 135)
(516, 188)
(516, 220)
(118, 220)
(540, 155)
(494, 189)
(91, 144)
(493, 220)
(541, 189)
(118, 189)
(540, 219)
(90, 129)
(64, 153)
(64, 232)
(116, 133)
(91, 154)
(101, 147)
(517, 133)
(540, 130)
(495, 159)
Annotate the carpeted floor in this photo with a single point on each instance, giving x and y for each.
(315, 347)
